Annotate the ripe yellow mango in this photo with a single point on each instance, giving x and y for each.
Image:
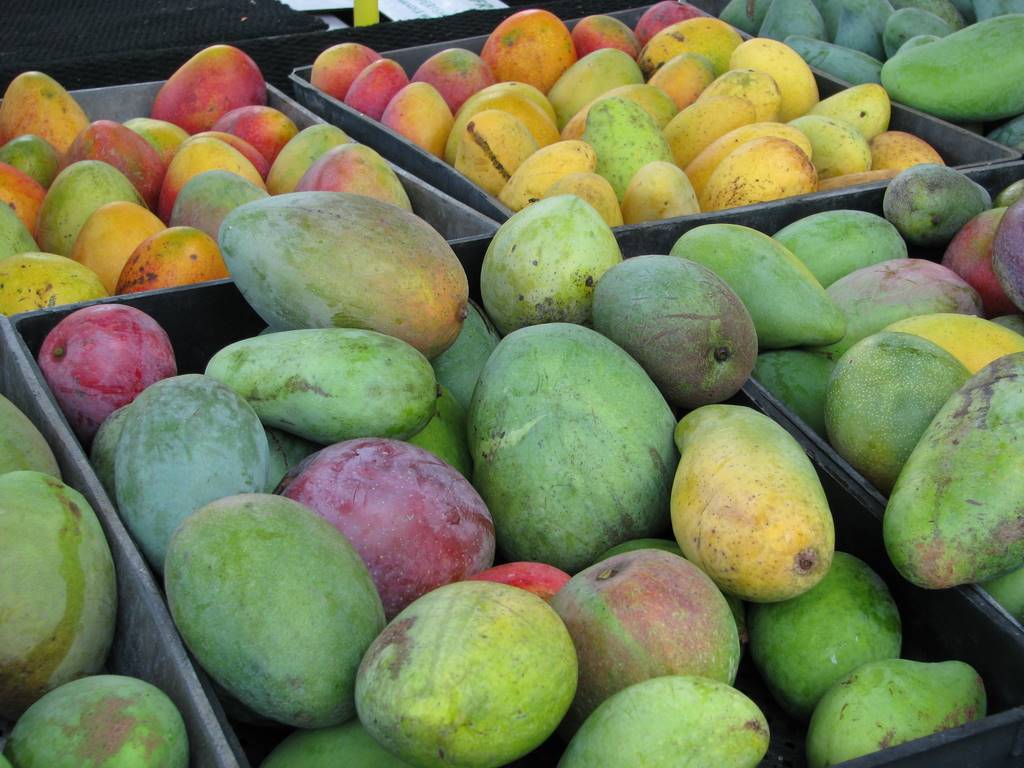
(491, 146)
(971, 340)
(747, 506)
(837, 147)
(594, 190)
(35, 103)
(703, 122)
(684, 78)
(758, 88)
(110, 235)
(707, 36)
(899, 151)
(654, 101)
(543, 168)
(759, 171)
(659, 190)
(866, 107)
(518, 99)
(787, 68)
(31, 281)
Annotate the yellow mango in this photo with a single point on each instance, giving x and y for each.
(856, 179)
(787, 68)
(31, 281)
(747, 506)
(699, 170)
(593, 189)
(421, 115)
(590, 77)
(837, 148)
(514, 101)
(898, 150)
(758, 88)
(971, 340)
(700, 124)
(654, 101)
(195, 156)
(492, 145)
(710, 37)
(684, 78)
(109, 236)
(658, 191)
(759, 171)
(543, 168)
(35, 103)
(866, 107)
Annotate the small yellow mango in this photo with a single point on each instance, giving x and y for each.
(710, 37)
(594, 190)
(790, 72)
(31, 281)
(837, 147)
(899, 151)
(706, 120)
(519, 99)
(543, 168)
(759, 171)
(492, 145)
(758, 88)
(866, 107)
(657, 191)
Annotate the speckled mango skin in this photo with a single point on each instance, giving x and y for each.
(331, 384)
(297, 586)
(954, 513)
(474, 674)
(58, 596)
(36, 103)
(105, 721)
(625, 139)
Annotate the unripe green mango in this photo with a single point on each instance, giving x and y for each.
(918, 40)
(331, 384)
(22, 446)
(322, 748)
(792, 17)
(14, 237)
(944, 9)
(910, 22)
(208, 197)
(186, 441)
(445, 434)
(58, 596)
(1008, 590)
(459, 366)
(286, 450)
(593, 75)
(853, 67)
(885, 703)
(986, 9)
(745, 15)
(929, 203)
(1014, 322)
(878, 11)
(787, 303)
(625, 139)
(1011, 134)
(858, 32)
(799, 379)
(572, 446)
(1012, 193)
(104, 449)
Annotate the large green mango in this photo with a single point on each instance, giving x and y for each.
(334, 259)
(954, 516)
(22, 446)
(185, 441)
(331, 384)
(973, 74)
(572, 446)
(58, 597)
(322, 748)
(854, 67)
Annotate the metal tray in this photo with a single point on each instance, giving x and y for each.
(958, 146)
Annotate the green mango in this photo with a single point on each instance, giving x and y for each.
(104, 449)
(1011, 134)
(858, 32)
(22, 445)
(167, 466)
(929, 203)
(910, 22)
(792, 17)
(207, 198)
(592, 76)
(286, 450)
(32, 155)
(445, 434)
(1009, 195)
(1008, 590)
(14, 237)
(987, 9)
(105, 720)
(625, 139)
(275, 567)
(787, 303)
(918, 40)
(331, 384)
(459, 366)
(885, 703)
(572, 446)
(853, 67)
(543, 263)
(878, 11)
(944, 9)
(58, 595)
(798, 378)
(745, 15)
(322, 748)
(971, 451)
(966, 10)
(668, 722)
(973, 74)
(77, 191)
(1014, 322)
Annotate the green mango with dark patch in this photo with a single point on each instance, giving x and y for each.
(792, 17)
(32, 155)
(798, 378)
(1008, 590)
(459, 366)
(104, 449)
(105, 720)
(207, 198)
(929, 203)
(625, 139)
(286, 450)
(445, 434)
(58, 596)
(14, 237)
(954, 515)
(910, 22)
(322, 748)
(853, 67)
(22, 446)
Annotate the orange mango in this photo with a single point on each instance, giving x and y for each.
(265, 128)
(419, 113)
(109, 236)
(336, 68)
(171, 257)
(22, 193)
(684, 78)
(36, 103)
(532, 46)
(121, 147)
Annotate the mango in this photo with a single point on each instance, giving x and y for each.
(172, 257)
(271, 565)
(330, 384)
(683, 626)
(659, 190)
(1008, 590)
(1008, 254)
(198, 155)
(445, 434)
(77, 191)
(837, 147)
(590, 77)
(910, 22)
(876, 296)
(286, 451)
(35, 103)
(167, 467)
(1010, 195)
(711, 38)
(543, 263)
(207, 198)
(57, 594)
(215, 81)
(798, 378)
(625, 139)
(592, 33)
(162, 136)
(32, 155)
(854, 67)
(759, 88)
(34, 280)
(952, 517)
(22, 445)
(682, 323)
(320, 749)
(944, 9)
(882, 395)
(857, 179)
(866, 107)
(684, 78)
(885, 703)
(502, 634)
(970, 255)
(747, 506)
(357, 169)
(971, 340)
(110, 236)
(857, 31)
(264, 128)
(832, 244)
(709, 722)
(788, 306)
(900, 150)
(492, 146)
(375, 87)
(929, 203)
(456, 74)
(420, 114)
(592, 189)
(699, 125)
(336, 67)
(986, 9)
(918, 40)
(663, 14)
(977, 65)
(458, 367)
(340, 253)
(532, 46)
(794, 79)
(22, 194)
(299, 154)
(654, 101)
(538, 172)
(759, 171)
(124, 149)
(542, 387)
(789, 17)
(104, 448)
(745, 16)
(520, 100)
(244, 148)
(1014, 322)
(75, 724)
(1010, 133)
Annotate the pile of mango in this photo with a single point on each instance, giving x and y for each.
(680, 117)
(91, 209)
